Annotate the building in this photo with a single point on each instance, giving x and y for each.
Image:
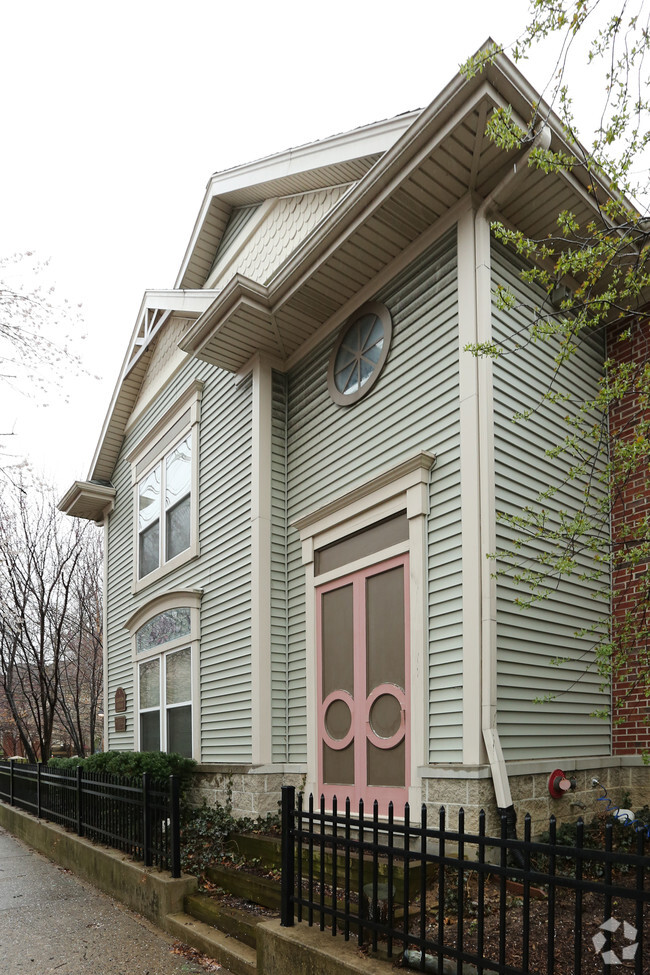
(301, 469)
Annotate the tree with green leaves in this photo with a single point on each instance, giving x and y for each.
(594, 279)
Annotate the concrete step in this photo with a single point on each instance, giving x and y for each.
(239, 958)
(248, 886)
(237, 923)
(267, 851)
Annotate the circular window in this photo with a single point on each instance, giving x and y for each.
(359, 354)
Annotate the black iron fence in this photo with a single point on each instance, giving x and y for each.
(140, 817)
(451, 901)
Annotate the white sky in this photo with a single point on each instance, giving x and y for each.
(115, 115)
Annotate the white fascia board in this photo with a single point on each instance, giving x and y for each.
(430, 128)
(364, 141)
(193, 302)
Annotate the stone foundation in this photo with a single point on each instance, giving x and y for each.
(254, 791)
(627, 783)
(248, 790)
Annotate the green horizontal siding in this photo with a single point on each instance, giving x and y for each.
(331, 449)
(528, 640)
(223, 570)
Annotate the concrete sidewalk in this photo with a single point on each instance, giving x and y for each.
(52, 923)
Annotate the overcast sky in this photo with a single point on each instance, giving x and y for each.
(115, 115)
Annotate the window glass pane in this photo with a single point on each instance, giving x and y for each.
(149, 498)
(375, 336)
(343, 375)
(366, 370)
(149, 549)
(179, 676)
(150, 684)
(374, 352)
(178, 472)
(179, 730)
(178, 528)
(345, 357)
(352, 384)
(167, 626)
(150, 731)
(366, 326)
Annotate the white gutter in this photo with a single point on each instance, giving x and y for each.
(486, 469)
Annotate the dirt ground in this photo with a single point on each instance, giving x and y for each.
(563, 947)
(506, 946)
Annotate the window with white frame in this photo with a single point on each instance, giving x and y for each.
(165, 699)
(164, 508)
(165, 479)
(165, 652)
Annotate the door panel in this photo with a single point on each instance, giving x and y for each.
(363, 680)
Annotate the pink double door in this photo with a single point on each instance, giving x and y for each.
(362, 625)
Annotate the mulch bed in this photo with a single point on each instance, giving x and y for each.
(563, 949)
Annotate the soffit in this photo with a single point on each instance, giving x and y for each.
(86, 499)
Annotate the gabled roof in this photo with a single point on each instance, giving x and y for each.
(407, 175)
(343, 158)
(443, 158)
(156, 308)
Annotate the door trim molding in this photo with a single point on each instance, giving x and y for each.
(404, 487)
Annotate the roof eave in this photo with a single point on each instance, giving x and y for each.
(88, 500)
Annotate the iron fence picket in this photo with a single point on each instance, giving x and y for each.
(334, 862)
(441, 888)
(106, 809)
(640, 885)
(321, 872)
(480, 893)
(502, 891)
(299, 855)
(360, 872)
(577, 947)
(526, 905)
(390, 838)
(346, 930)
(310, 867)
(458, 855)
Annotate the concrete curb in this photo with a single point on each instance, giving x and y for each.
(304, 949)
(142, 889)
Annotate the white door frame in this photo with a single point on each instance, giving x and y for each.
(404, 487)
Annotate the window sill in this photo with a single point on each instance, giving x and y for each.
(183, 558)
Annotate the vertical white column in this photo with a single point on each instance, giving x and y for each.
(487, 486)
(470, 479)
(261, 564)
(105, 634)
(417, 506)
(311, 677)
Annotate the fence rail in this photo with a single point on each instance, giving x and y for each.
(445, 898)
(140, 817)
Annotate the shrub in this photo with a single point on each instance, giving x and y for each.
(65, 762)
(160, 765)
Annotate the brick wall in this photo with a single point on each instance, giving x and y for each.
(631, 731)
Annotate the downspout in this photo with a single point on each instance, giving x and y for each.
(486, 477)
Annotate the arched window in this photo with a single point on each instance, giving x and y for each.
(165, 635)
